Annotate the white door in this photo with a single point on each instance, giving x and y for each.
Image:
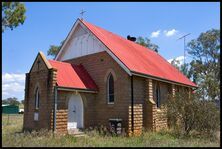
(75, 112)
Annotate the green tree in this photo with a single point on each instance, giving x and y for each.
(11, 101)
(13, 14)
(23, 102)
(4, 101)
(184, 68)
(147, 43)
(205, 66)
(53, 50)
(176, 63)
(204, 69)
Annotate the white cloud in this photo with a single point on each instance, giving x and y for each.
(169, 33)
(155, 34)
(180, 60)
(13, 85)
(5, 93)
(13, 77)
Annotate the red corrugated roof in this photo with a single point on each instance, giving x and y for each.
(73, 76)
(138, 58)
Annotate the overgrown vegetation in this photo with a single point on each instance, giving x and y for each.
(13, 137)
(204, 68)
(188, 112)
(199, 113)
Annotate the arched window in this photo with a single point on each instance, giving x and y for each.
(157, 95)
(37, 98)
(110, 89)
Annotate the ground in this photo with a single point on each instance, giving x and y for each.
(13, 137)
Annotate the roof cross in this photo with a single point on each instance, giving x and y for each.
(82, 12)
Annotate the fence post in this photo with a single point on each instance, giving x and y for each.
(8, 120)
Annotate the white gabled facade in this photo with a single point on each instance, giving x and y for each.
(80, 42)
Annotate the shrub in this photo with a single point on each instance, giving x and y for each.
(188, 112)
(207, 119)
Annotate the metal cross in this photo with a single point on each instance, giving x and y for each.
(82, 12)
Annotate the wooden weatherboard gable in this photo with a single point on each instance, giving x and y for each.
(81, 42)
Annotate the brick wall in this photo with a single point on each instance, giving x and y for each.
(139, 96)
(155, 118)
(99, 65)
(161, 119)
(26, 102)
(89, 101)
(61, 120)
(137, 119)
(43, 78)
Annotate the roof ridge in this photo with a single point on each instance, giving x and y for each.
(131, 42)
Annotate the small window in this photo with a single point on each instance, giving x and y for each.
(157, 95)
(37, 99)
(110, 89)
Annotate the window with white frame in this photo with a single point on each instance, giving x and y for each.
(37, 98)
(110, 89)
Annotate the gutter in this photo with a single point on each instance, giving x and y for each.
(76, 89)
(162, 80)
(132, 102)
(55, 108)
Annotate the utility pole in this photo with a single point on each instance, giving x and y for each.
(82, 12)
(184, 46)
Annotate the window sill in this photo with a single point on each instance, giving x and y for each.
(36, 110)
(110, 103)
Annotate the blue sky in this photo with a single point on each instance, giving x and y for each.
(49, 23)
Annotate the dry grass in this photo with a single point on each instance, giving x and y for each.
(12, 137)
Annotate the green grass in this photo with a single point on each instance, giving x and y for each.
(12, 137)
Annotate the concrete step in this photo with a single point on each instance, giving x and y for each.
(80, 135)
(76, 132)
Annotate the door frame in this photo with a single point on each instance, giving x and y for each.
(82, 105)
